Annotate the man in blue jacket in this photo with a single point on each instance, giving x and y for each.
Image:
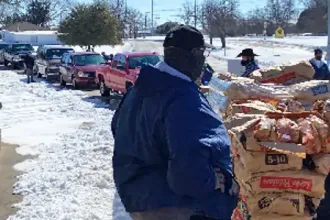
(320, 67)
(172, 153)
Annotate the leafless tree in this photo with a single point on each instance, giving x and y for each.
(314, 3)
(134, 22)
(280, 12)
(59, 9)
(255, 20)
(219, 17)
(187, 12)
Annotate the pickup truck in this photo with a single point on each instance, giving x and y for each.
(122, 72)
(12, 54)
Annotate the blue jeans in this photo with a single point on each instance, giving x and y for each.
(29, 74)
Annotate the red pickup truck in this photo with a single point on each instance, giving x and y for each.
(123, 71)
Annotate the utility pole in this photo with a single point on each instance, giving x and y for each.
(328, 48)
(195, 13)
(145, 24)
(265, 29)
(152, 17)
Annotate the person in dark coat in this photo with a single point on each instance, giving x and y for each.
(248, 61)
(321, 68)
(111, 57)
(105, 57)
(323, 211)
(171, 155)
(29, 64)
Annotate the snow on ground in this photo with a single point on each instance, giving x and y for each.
(303, 41)
(272, 51)
(269, 54)
(69, 134)
(70, 176)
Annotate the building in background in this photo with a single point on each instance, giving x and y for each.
(25, 32)
(24, 26)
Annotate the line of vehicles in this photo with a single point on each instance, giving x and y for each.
(81, 69)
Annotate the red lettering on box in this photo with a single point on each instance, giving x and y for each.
(269, 182)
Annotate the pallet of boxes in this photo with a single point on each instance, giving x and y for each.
(279, 129)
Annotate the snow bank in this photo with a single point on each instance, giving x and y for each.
(270, 54)
(71, 174)
(303, 41)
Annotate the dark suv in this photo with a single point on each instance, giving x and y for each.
(49, 59)
(12, 54)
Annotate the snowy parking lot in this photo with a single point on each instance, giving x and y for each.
(68, 133)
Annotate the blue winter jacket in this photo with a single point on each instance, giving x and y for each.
(323, 211)
(168, 141)
(249, 68)
(321, 73)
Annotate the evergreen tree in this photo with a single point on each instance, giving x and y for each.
(90, 25)
(38, 12)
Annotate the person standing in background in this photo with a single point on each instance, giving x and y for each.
(248, 61)
(321, 68)
(105, 57)
(29, 64)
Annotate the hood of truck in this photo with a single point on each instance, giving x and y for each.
(21, 52)
(135, 71)
(54, 61)
(89, 68)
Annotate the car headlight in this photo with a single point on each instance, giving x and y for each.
(80, 74)
(17, 57)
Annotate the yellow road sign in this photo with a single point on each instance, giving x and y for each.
(279, 33)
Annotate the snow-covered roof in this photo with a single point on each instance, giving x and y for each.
(35, 32)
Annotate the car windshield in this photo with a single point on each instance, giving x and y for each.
(57, 53)
(88, 59)
(22, 47)
(138, 61)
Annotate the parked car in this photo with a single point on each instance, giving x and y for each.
(49, 59)
(13, 52)
(80, 68)
(3, 46)
(123, 71)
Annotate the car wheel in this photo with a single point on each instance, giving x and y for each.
(5, 63)
(62, 82)
(103, 89)
(14, 66)
(75, 85)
